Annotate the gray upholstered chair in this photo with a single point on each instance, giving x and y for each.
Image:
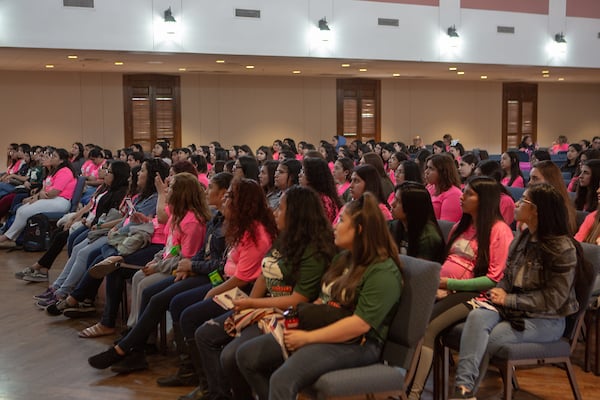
(530, 354)
(445, 227)
(402, 348)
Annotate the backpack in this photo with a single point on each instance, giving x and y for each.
(38, 232)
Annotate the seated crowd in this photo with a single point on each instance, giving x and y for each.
(232, 242)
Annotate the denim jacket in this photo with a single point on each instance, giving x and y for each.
(547, 286)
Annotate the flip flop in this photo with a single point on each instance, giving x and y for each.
(105, 267)
(95, 331)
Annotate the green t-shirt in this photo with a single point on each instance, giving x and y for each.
(377, 297)
(430, 242)
(281, 281)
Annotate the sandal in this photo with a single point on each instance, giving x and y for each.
(95, 331)
(105, 267)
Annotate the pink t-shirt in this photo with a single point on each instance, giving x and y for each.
(387, 214)
(203, 179)
(518, 182)
(462, 256)
(507, 208)
(331, 209)
(559, 147)
(341, 188)
(189, 235)
(63, 181)
(16, 167)
(245, 259)
(586, 226)
(446, 205)
(89, 168)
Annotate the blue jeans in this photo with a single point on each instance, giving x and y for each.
(485, 333)
(261, 358)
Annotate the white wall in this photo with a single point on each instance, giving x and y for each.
(209, 26)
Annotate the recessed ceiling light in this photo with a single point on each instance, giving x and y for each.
(155, 62)
(72, 57)
(396, 75)
(561, 79)
(460, 72)
(249, 66)
(363, 70)
(545, 71)
(546, 75)
(296, 72)
(220, 61)
(182, 69)
(483, 76)
(345, 65)
(49, 66)
(452, 69)
(118, 62)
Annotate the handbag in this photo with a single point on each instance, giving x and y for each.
(314, 316)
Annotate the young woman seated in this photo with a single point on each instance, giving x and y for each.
(366, 280)
(535, 295)
(476, 256)
(249, 231)
(366, 179)
(414, 226)
(291, 274)
(443, 183)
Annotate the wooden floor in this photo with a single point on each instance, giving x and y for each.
(42, 357)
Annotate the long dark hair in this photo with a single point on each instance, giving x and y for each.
(153, 166)
(306, 227)
(293, 168)
(249, 166)
(447, 172)
(63, 155)
(372, 243)
(412, 171)
(369, 174)
(515, 169)
(586, 198)
(319, 177)
(488, 213)
(247, 208)
(551, 212)
(416, 203)
(270, 166)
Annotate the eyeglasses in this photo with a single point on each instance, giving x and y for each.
(524, 200)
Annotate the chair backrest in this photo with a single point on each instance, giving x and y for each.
(421, 280)
(77, 193)
(445, 227)
(515, 192)
(584, 285)
(580, 217)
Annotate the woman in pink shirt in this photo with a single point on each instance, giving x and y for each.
(55, 195)
(511, 175)
(316, 175)
(342, 174)
(443, 184)
(476, 257)
(365, 178)
(249, 232)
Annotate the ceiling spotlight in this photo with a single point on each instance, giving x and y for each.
(484, 77)
(324, 30)
(345, 65)
(460, 72)
(49, 66)
(323, 24)
(249, 66)
(220, 61)
(561, 79)
(296, 72)
(118, 62)
(545, 71)
(72, 57)
(395, 75)
(362, 69)
(453, 36)
(182, 69)
(168, 15)
(452, 69)
(561, 43)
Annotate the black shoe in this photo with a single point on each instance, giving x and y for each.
(80, 310)
(135, 361)
(197, 394)
(105, 359)
(179, 379)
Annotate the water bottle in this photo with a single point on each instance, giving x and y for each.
(290, 318)
(46, 240)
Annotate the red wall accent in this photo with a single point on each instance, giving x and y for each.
(583, 8)
(524, 6)
(435, 3)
